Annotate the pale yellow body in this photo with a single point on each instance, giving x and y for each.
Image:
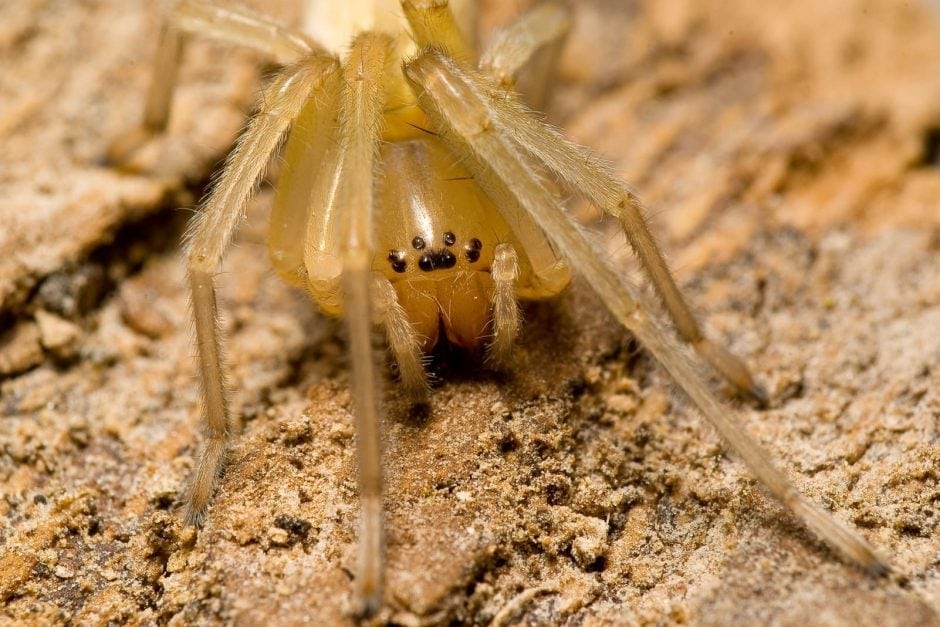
(436, 233)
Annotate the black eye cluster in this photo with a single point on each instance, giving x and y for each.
(435, 259)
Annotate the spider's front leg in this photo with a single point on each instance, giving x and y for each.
(540, 31)
(361, 106)
(474, 116)
(321, 239)
(211, 232)
(590, 177)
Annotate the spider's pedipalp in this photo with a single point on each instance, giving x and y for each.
(402, 338)
(208, 238)
(506, 317)
(473, 122)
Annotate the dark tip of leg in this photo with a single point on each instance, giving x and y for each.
(367, 607)
(420, 412)
(733, 370)
(759, 395)
(880, 569)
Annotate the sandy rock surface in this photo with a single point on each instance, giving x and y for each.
(790, 156)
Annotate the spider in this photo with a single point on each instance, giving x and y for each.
(418, 192)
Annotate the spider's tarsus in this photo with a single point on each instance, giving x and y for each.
(121, 151)
(758, 394)
(880, 569)
(194, 517)
(367, 607)
(732, 368)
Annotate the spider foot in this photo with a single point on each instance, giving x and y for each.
(122, 151)
(734, 371)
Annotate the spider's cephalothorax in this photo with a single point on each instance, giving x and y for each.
(413, 194)
(438, 237)
(442, 233)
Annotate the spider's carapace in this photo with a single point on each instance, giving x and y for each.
(436, 242)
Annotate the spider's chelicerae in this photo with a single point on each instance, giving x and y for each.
(418, 191)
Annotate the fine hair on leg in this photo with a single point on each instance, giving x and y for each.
(361, 106)
(433, 24)
(532, 42)
(473, 121)
(209, 236)
(402, 339)
(587, 175)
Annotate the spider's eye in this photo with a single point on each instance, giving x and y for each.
(435, 260)
(397, 259)
(472, 250)
(447, 259)
(417, 243)
(449, 238)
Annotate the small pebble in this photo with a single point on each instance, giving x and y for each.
(57, 335)
(278, 536)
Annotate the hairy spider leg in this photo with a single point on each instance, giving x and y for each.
(339, 117)
(534, 42)
(209, 236)
(459, 101)
(587, 175)
(361, 104)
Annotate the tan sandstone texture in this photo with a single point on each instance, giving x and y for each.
(789, 151)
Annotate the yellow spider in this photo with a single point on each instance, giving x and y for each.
(419, 192)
